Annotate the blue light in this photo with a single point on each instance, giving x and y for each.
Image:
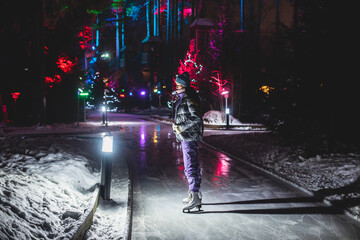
(93, 60)
(130, 93)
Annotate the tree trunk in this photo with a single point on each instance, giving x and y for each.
(193, 10)
(38, 106)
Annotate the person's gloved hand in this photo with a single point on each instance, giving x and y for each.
(176, 128)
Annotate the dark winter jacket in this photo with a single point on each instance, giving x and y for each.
(189, 120)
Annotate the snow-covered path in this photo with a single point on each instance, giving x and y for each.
(239, 202)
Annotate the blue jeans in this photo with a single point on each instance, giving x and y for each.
(191, 164)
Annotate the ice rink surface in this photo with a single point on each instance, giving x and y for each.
(239, 202)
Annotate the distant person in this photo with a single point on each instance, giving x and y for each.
(189, 128)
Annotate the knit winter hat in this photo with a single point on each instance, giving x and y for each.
(183, 79)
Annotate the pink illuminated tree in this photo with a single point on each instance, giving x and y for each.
(220, 84)
(218, 37)
(195, 69)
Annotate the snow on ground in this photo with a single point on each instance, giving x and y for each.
(333, 176)
(82, 127)
(110, 217)
(47, 181)
(214, 117)
(45, 187)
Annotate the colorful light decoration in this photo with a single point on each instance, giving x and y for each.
(85, 37)
(162, 9)
(15, 95)
(51, 81)
(117, 6)
(266, 89)
(133, 11)
(187, 12)
(65, 64)
(192, 67)
(220, 83)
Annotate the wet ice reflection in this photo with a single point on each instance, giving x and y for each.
(156, 136)
(142, 156)
(160, 185)
(222, 170)
(142, 137)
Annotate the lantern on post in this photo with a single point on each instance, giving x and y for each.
(225, 93)
(84, 95)
(106, 165)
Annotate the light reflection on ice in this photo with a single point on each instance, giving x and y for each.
(223, 166)
(156, 134)
(142, 136)
(222, 169)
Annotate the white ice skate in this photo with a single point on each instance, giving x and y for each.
(187, 199)
(195, 201)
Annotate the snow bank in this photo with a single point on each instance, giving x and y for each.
(61, 128)
(44, 189)
(214, 117)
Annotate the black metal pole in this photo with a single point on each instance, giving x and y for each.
(106, 116)
(106, 166)
(84, 111)
(226, 112)
(78, 108)
(227, 120)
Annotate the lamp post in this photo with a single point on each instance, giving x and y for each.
(227, 110)
(78, 108)
(150, 101)
(143, 93)
(15, 96)
(159, 93)
(83, 94)
(103, 110)
(106, 165)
